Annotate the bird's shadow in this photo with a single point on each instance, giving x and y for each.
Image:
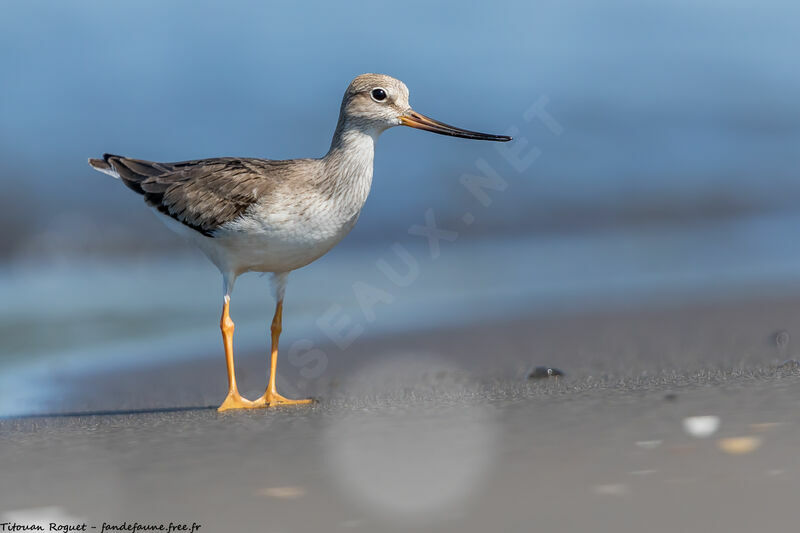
(110, 412)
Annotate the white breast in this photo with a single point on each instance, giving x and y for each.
(284, 235)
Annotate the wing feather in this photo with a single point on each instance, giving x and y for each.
(202, 194)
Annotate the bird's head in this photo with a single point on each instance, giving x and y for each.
(376, 102)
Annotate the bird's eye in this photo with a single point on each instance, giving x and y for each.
(378, 94)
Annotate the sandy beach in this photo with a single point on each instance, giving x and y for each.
(442, 431)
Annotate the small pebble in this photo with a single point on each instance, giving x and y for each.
(670, 397)
(739, 445)
(701, 426)
(544, 372)
(782, 338)
(283, 493)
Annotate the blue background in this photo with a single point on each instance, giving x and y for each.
(670, 109)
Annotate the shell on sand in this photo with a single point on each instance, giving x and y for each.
(739, 445)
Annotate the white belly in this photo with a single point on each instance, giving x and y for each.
(270, 242)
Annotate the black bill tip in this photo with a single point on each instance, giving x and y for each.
(420, 121)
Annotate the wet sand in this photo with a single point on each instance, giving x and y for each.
(441, 431)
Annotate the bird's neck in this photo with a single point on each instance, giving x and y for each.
(348, 165)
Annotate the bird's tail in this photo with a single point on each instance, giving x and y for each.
(132, 172)
(104, 165)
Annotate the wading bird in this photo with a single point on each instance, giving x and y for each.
(264, 215)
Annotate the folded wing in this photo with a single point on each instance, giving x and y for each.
(202, 194)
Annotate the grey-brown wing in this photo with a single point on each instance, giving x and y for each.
(202, 194)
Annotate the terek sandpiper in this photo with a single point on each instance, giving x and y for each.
(272, 216)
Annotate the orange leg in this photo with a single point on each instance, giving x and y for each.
(234, 400)
(271, 397)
